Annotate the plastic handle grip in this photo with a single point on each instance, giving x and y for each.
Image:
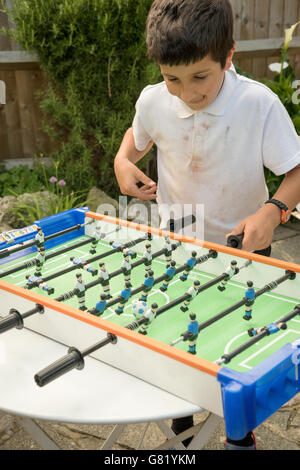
(60, 367)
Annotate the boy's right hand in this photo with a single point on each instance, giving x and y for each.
(133, 182)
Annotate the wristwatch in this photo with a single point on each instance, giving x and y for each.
(285, 211)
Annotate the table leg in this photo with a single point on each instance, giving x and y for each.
(116, 432)
(37, 433)
(205, 433)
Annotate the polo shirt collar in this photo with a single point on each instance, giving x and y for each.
(217, 107)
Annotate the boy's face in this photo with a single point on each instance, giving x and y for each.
(196, 84)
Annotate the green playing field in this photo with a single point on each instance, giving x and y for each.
(221, 337)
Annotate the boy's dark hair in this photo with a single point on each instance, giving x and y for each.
(186, 31)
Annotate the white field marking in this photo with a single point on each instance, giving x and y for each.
(276, 297)
(279, 338)
(228, 346)
(18, 263)
(47, 271)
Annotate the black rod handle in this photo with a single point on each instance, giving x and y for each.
(13, 320)
(60, 367)
(235, 241)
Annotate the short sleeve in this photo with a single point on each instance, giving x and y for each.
(281, 144)
(141, 136)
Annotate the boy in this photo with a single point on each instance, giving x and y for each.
(214, 131)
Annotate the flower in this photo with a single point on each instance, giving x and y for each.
(62, 183)
(52, 179)
(276, 67)
(289, 35)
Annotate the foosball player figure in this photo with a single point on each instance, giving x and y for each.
(193, 333)
(39, 261)
(80, 292)
(95, 240)
(170, 272)
(271, 329)
(126, 267)
(189, 266)
(168, 250)
(101, 305)
(147, 256)
(41, 284)
(192, 292)
(250, 296)
(129, 252)
(148, 284)
(149, 315)
(104, 280)
(125, 295)
(230, 272)
(40, 239)
(84, 265)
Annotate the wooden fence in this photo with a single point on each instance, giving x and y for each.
(259, 33)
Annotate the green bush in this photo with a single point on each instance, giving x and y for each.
(20, 180)
(94, 54)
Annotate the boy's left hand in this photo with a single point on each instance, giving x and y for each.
(258, 229)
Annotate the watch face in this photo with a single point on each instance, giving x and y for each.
(285, 216)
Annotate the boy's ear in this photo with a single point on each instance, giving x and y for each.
(230, 57)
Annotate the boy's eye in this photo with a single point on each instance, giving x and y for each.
(200, 78)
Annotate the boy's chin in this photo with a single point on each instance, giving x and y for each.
(198, 104)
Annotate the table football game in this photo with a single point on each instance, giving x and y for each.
(82, 279)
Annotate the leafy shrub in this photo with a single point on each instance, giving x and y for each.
(94, 53)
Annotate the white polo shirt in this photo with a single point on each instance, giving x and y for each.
(211, 162)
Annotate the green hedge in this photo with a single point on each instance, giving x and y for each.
(94, 53)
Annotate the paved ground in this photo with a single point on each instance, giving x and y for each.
(280, 432)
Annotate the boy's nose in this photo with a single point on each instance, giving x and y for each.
(188, 95)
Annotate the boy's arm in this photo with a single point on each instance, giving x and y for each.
(258, 229)
(128, 174)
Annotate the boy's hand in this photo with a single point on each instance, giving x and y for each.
(258, 229)
(134, 182)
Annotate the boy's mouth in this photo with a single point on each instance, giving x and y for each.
(199, 101)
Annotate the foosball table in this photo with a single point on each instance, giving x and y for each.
(209, 324)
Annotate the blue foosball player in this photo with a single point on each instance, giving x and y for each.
(250, 296)
(148, 284)
(189, 266)
(170, 272)
(84, 265)
(101, 305)
(193, 333)
(125, 295)
(271, 329)
(41, 284)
